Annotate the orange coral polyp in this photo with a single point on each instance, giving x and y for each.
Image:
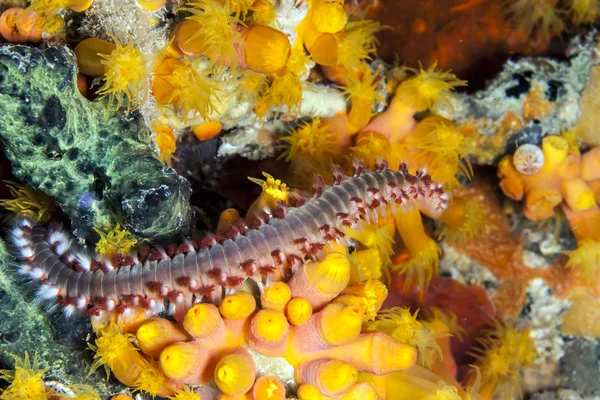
(298, 311)
(88, 53)
(151, 5)
(540, 203)
(154, 335)
(185, 85)
(238, 306)
(202, 320)
(212, 30)
(324, 50)
(125, 76)
(328, 16)
(276, 296)
(9, 27)
(235, 373)
(340, 324)
(268, 387)
(185, 362)
(427, 87)
(266, 50)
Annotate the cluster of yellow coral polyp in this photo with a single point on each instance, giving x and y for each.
(553, 175)
(433, 143)
(323, 322)
(314, 322)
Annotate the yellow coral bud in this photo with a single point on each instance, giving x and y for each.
(207, 130)
(266, 49)
(270, 325)
(324, 50)
(299, 311)
(268, 387)
(335, 377)
(331, 275)
(268, 333)
(184, 362)
(308, 392)
(578, 195)
(341, 324)
(540, 203)
(276, 296)
(329, 16)
(88, 53)
(238, 306)
(235, 373)
(361, 391)
(228, 220)
(202, 319)
(555, 150)
(156, 334)
(151, 5)
(121, 397)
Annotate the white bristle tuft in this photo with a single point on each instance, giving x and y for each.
(81, 303)
(26, 252)
(108, 265)
(127, 313)
(110, 304)
(36, 273)
(69, 310)
(24, 269)
(25, 223)
(47, 292)
(84, 260)
(62, 246)
(57, 236)
(172, 308)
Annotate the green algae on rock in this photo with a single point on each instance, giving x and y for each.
(100, 169)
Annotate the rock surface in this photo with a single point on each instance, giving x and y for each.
(99, 167)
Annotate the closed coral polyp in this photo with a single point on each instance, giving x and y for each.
(266, 50)
(202, 320)
(328, 16)
(276, 296)
(268, 333)
(235, 373)
(298, 311)
(238, 306)
(154, 335)
(268, 387)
